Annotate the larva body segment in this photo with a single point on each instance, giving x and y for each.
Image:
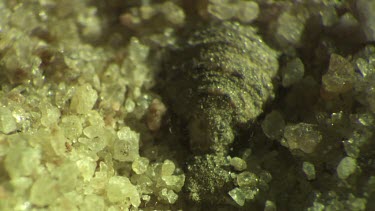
(219, 79)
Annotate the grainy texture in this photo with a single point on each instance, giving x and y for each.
(219, 79)
(64, 148)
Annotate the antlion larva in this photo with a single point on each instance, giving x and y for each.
(219, 79)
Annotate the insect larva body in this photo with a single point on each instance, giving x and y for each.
(219, 79)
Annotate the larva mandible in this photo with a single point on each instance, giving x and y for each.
(219, 78)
